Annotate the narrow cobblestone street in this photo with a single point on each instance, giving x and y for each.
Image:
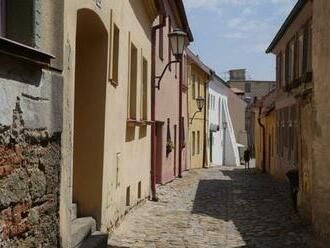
(218, 207)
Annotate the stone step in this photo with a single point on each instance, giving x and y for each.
(96, 240)
(81, 228)
(74, 211)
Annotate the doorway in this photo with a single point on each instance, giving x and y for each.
(89, 113)
(159, 151)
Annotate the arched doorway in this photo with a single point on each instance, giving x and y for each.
(89, 113)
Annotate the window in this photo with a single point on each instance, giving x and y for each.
(161, 43)
(144, 96)
(214, 101)
(198, 142)
(193, 143)
(279, 70)
(183, 132)
(283, 72)
(139, 190)
(133, 82)
(2, 17)
(128, 196)
(115, 55)
(308, 47)
(290, 61)
(17, 21)
(300, 55)
(248, 87)
(198, 87)
(211, 101)
(193, 81)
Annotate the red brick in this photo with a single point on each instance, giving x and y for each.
(6, 170)
(19, 229)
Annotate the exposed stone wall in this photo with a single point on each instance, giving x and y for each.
(29, 185)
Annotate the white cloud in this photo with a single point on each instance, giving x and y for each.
(234, 35)
(247, 25)
(196, 4)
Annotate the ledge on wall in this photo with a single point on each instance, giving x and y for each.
(139, 123)
(23, 52)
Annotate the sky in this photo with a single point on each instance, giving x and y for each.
(232, 34)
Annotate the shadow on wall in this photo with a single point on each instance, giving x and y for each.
(20, 71)
(141, 16)
(259, 209)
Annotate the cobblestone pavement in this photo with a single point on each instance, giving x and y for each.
(217, 207)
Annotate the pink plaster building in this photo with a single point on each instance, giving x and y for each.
(169, 108)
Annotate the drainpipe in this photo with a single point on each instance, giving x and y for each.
(153, 107)
(263, 141)
(205, 115)
(180, 118)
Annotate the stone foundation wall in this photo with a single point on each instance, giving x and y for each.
(29, 185)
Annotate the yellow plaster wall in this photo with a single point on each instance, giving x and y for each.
(198, 122)
(126, 152)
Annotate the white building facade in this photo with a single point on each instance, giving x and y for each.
(224, 148)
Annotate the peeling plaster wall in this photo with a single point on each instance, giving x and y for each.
(30, 127)
(30, 135)
(29, 185)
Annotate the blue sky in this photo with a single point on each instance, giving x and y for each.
(235, 33)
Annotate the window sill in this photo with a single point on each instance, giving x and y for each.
(134, 123)
(138, 123)
(24, 52)
(305, 78)
(148, 123)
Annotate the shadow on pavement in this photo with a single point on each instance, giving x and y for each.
(254, 205)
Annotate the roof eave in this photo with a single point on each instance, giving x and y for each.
(184, 18)
(288, 21)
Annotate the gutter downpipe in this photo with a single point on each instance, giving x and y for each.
(263, 141)
(153, 108)
(205, 115)
(180, 118)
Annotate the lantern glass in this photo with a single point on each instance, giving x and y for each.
(177, 40)
(200, 103)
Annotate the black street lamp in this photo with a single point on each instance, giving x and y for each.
(200, 101)
(177, 40)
